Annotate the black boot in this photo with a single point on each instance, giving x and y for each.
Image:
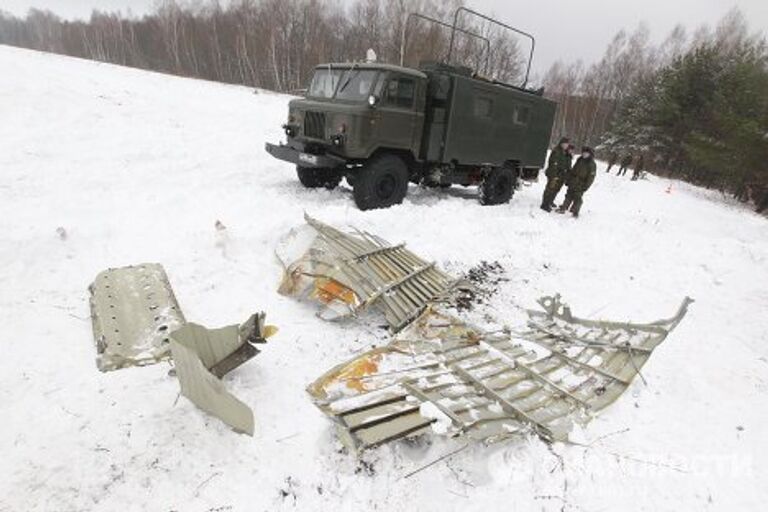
(546, 201)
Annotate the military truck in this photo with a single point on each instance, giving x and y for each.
(381, 126)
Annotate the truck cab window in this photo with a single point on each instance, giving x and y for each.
(400, 92)
(355, 84)
(324, 83)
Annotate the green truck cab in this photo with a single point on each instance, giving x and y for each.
(382, 126)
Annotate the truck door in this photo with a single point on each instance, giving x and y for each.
(399, 117)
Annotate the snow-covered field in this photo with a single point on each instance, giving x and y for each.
(138, 167)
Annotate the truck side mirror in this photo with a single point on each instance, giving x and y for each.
(373, 100)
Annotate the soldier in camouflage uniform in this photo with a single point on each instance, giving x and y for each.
(761, 201)
(579, 179)
(639, 169)
(557, 168)
(625, 163)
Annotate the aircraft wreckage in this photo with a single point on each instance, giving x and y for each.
(442, 375)
(137, 321)
(439, 374)
(348, 273)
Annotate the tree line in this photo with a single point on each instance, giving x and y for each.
(271, 44)
(695, 105)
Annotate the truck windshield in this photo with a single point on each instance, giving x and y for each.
(324, 82)
(356, 84)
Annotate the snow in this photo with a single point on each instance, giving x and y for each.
(139, 167)
(442, 422)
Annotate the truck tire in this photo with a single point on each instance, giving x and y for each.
(498, 186)
(316, 177)
(381, 182)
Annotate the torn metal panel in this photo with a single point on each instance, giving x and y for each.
(133, 310)
(444, 376)
(203, 388)
(202, 356)
(349, 272)
(622, 348)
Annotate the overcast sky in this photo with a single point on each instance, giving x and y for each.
(564, 29)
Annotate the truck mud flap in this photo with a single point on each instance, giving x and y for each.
(302, 159)
(443, 376)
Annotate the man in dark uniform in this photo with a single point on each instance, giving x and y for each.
(557, 167)
(625, 163)
(762, 202)
(613, 158)
(639, 168)
(579, 179)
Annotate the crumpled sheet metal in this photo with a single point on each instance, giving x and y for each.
(443, 376)
(202, 356)
(133, 310)
(137, 321)
(622, 348)
(348, 272)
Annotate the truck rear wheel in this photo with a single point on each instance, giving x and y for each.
(498, 186)
(316, 177)
(381, 182)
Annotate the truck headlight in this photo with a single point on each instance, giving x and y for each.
(290, 130)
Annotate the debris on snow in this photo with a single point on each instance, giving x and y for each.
(224, 349)
(489, 386)
(348, 272)
(221, 237)
(133, 310)
(137, 321)
(485, 278)
(202, 356)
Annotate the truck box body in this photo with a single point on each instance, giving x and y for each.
(472, 121)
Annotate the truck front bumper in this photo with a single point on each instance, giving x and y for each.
(293, 152)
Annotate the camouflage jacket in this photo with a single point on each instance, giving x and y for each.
(559, 163)
(582, 175)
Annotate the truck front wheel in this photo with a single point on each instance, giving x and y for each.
(498, 186)
(381, 182)
(316, 177)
